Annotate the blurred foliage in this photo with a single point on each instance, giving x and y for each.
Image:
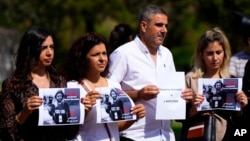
(70, 19)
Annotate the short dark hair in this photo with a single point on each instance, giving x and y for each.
(59, 92)
(120, 35)
(219, 82)
(112, 90)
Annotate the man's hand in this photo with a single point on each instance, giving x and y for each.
(188, 95)
(148, 92)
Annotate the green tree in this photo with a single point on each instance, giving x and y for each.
(70, 19)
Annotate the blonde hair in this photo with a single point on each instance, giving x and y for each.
(210, 36)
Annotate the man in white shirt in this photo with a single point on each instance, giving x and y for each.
(135, 65)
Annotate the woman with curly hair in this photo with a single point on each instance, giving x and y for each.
(86, 67)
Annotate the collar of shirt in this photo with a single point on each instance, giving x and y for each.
(143, 48)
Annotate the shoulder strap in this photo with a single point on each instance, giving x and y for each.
(107, 128)
(105, 124)
(84, 86)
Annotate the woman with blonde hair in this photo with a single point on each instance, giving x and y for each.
(200, 67)
(211, 60)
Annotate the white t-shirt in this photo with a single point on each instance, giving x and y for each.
(132, 66)
(90, 130)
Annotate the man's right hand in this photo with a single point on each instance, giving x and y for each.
(148, 92)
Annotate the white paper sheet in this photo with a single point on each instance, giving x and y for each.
(224, 98)
(114, 106)
(170, 105)
(69, 111)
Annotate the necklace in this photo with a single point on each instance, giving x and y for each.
(99, 83)
(41, 81)
(89, 84)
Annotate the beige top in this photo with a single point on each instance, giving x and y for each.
(221, 123)
(191, 82)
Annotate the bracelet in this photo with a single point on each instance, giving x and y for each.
(18, 121)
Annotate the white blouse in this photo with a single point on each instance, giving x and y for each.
(90, 130)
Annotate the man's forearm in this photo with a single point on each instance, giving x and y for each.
(134, 94)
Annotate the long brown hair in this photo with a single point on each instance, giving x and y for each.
(210, 36)
(27, 58)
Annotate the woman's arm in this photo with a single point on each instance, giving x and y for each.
(7, 115)
(33, 103)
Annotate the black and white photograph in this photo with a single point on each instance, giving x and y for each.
(61, 106)
(114, 105)
(219, 94)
